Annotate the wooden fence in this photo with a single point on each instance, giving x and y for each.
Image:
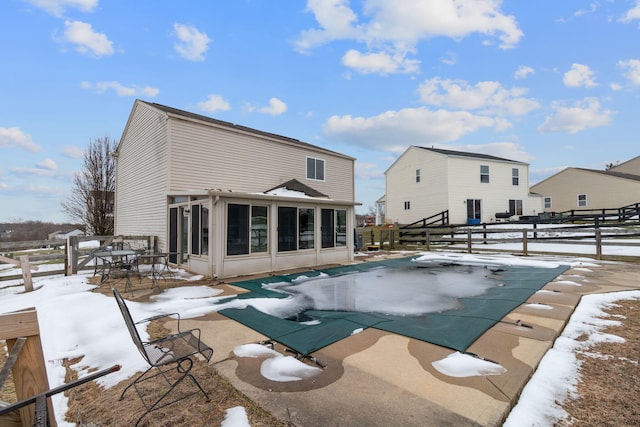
(28, 254)
(485, 237)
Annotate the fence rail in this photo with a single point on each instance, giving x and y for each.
(66, 252)
(486, 237)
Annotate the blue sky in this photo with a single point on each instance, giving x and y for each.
(551, 83)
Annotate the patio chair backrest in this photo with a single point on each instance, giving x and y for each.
(131, 326)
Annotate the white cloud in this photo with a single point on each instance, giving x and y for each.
(214, 103)
(523, 72)
(399, 26)
(47, 164)
(579, 76)
(275, 108)
(367, 171)
(395, 130)
(631, 14)
(487, 96)
(57, 7)
(582, 115)
(87, 41)
(382, 63)
(192, 44)
(14, 137)
(46, 168)
(72, 152)
(120, 89)
(337, 21)
(632, 67)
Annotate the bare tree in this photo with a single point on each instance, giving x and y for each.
(92, 196)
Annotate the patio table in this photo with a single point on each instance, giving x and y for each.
(159, 262)
(121, 261)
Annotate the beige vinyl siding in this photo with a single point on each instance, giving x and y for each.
(603, 191)
(630, 166)
(206, 157)
(141, 176)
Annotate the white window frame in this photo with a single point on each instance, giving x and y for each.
(483, 174)
(407, 205)
(515, 176)
(316, 162)
(547, 202)
(582, 200)
(417, 175)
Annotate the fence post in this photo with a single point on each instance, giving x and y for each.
(29, 370)
(26, 273)
(484, 234)
(71, 260)
(469, 241)
(427, 240)
(535, 231)
(524, 243)
(598, 243)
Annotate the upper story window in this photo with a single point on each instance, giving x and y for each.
(417, 175)
(547, 202)
(315, 169)
(582, 200)
(484, 173)
(515, 176)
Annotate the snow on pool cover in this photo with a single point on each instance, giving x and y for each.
(447, 302)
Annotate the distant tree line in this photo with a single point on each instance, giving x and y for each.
(32, 230)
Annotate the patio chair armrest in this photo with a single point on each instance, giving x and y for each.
(159, 316)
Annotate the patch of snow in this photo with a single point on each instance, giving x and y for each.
(465, 365)
(236, 417)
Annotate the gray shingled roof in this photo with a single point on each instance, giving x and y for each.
(467, 154)
(296, 185)
(612, 173)
(230, 125)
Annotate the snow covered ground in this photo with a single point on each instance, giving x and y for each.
(75, 322)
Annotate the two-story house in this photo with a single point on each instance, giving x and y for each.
(228, 200)
(580, 188)
(472, 187)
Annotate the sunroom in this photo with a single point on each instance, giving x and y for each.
(225, 233)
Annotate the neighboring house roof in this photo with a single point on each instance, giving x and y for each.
(608, 173)
(622, 175)
(295, 185)
(221, 123)
(467, 154)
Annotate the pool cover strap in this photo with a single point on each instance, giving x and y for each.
(455, 329)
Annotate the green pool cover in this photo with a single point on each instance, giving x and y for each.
(456, 329)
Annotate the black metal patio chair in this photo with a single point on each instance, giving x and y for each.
(170, 357)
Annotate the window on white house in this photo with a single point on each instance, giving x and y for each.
(547, 202)
(582, 200)
(484, 173)
(515, 207)
(333, 227)
(295, 228)
(199, 229)
(407, 206)
(306, 228)
(315, 169)
(259, 229)
(247, 229)
(515, 176)
(417, 175)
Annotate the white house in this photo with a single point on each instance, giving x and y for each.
(471, 187)
(227, 200)
(579, 188)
